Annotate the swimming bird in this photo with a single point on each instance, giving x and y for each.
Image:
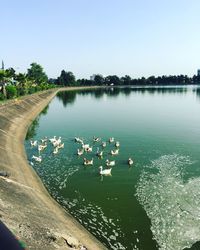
(61, 145)
(111, 139)
(114, 152)
(105, 171)
(130, 161)
(80, 151)
(37, 158)
(103, 144)
(88, 149)
(44, 139)
(85, 146)
(55, 151)
(87, 162)
(110, 163)
(42, 147)
(79, 140)
(99, 153)
(52, 139)
(55, 143)
(59, 140)
(96, 139)
(33, 143)
(117, 144)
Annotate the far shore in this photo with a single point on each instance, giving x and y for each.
(25, 205)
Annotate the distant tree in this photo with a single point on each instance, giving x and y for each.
(112, 80)
(151, 80)
(125, 80)
(10, 73)
(98, 79)
(20, 78)
(36, 74)
(2, 75)
(66, 78)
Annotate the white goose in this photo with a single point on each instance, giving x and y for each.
(114, 152)
(37, 158)
(110, 163)
(117, 144)
(85, 146)
(105, 171)
(130, 161)
(111, 139)
(57, 142)
(80, 151)
(33, 143)
(55, 151)
(42, 147)
(52, 139)
(61, 145)
(99, 153)
(96, 139)
(44, 139)
(79, 140)
(89, 149)
(87, 162)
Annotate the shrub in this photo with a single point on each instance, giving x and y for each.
(11, 91)
(21, 91)
(2, 97)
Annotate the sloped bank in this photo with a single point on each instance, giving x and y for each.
(25, 205)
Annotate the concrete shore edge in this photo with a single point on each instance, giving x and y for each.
(25, 205)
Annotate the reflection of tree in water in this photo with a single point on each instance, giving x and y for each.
(32, 129)
(35, 124)
(98, 93)
(44, 111)
(126, 91)
(113, 92)
(198, 92)
(67, 97)
(160, 90)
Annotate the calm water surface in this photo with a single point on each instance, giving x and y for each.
(155, 204)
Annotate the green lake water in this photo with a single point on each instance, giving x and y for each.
(155, 204)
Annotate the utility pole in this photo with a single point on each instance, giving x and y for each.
(2, 65)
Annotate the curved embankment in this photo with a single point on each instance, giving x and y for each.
(25, 205)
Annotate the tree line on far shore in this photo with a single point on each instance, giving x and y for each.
(14, 84)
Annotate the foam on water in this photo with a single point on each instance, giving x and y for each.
(95, 220)
(172, 205)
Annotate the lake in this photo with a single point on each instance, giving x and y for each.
(153, 204)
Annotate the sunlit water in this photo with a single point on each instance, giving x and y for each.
(155, 204)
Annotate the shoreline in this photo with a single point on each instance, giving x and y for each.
(26, 207)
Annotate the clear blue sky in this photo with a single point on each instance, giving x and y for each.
(134, 37)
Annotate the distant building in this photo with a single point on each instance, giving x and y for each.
(92, 77)
(198, 72)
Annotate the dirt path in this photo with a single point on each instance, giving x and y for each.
(25, 205)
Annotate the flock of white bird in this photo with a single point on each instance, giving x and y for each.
(84, 148)
(57, 144)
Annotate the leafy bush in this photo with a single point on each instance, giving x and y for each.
(31, 90)
(11, 91)
(21, 91)
(2, 97)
